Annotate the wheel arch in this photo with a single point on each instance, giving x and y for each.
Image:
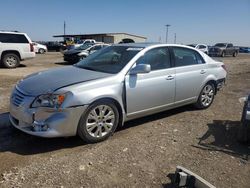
(214, 83)
(10, 52)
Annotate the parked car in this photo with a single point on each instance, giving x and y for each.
(223, 49)
(55, 46)
(201, 47)
(75, 55)
(114, 85)
(40, 48)
(15, 47)
(244, 50)
(80, 43)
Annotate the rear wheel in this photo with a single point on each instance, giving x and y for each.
(206, 96)
(235, 54)
(98, 122)
(11, 60)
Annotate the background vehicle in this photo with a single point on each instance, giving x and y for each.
(244, 50)
(15, 47)
(40, 48)
(80, 43)
(112, 86)
(55, 46)
(223, 49)
(75, 55)
(201, 47)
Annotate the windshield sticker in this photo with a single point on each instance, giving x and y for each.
(134, 49)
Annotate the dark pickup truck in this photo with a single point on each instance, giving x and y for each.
(223, 49)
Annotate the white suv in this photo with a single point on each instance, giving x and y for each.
(15, 47)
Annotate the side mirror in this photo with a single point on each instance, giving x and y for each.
(140, 69)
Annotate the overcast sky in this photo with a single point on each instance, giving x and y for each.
(193, 21)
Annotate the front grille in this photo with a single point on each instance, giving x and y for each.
(17, 97)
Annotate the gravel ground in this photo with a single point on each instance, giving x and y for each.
(144, 153)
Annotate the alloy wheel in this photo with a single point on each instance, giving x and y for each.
(100, 121)
(207, 95)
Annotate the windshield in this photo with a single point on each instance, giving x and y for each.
(221, 45)
(111, 59)
(84, 46)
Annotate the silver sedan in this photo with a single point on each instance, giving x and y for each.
(119, 83)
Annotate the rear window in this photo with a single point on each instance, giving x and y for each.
(13, 38)
(185, 57)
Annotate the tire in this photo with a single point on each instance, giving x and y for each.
(95, 126)
(11, 60)
(41, 51)
(235, 54)
(206, 96)
(223, 54)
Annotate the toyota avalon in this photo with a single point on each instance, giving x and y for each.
(116, 84)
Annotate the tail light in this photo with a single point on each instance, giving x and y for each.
(31, 47)
(224, 67)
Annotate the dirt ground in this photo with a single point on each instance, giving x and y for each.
(144, 153)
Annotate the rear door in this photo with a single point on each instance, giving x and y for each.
(191, 71)
(153, 90)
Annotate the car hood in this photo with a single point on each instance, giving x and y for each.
(51, 80)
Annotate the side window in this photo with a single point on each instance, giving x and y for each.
(185, 57)
(96, 47)
(202, 47)
(13, 38)
(229, 45)
(157, 58)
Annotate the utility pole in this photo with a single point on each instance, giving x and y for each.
(167, 32)
(64, 29)
(174, 38)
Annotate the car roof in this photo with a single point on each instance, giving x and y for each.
(12, 32)
(145, 45)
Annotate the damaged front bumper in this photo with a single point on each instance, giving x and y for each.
(46, 122)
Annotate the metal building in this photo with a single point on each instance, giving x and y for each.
(106, 37)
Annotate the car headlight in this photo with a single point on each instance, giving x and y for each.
(49, 100)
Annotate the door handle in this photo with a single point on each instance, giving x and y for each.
(203, 72)
(170, 77)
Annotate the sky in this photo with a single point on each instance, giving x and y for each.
(193, 21)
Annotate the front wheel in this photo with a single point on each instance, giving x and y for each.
(235, 54)
(98, 122)
(223, 54)
(41, 51)
(206, 96)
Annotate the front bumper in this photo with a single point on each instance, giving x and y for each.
(46, 122)
(71, 59)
